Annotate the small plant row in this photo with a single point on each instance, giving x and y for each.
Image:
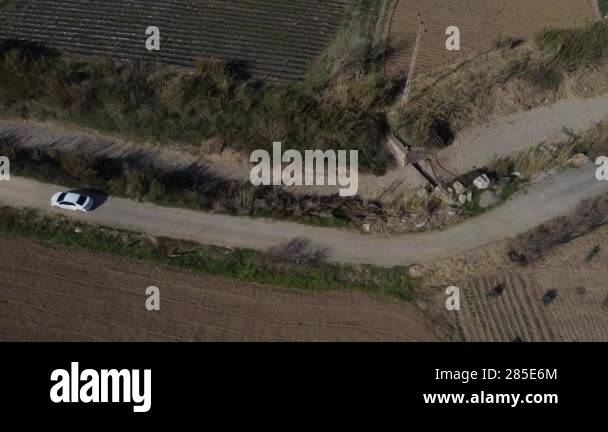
(272, 38)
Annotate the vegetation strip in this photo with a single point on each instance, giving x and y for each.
(138, 179)
(295, 265)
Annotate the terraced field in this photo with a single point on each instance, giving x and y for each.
(271, 38)
(480, 22)
(579, 312)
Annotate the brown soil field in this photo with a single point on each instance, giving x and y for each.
(579, 312)
(481, 22)
(58, 294)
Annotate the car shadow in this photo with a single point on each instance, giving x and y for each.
(99, 197)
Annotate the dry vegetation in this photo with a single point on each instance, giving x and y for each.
(211, 101)
(193, 187)
(532, 245)
(510, 78)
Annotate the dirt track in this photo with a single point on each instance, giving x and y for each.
(55, 294)
(544, 201)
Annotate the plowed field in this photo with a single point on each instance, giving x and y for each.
(579, 312)
(274, 38)
(480, 22)
(50, 294)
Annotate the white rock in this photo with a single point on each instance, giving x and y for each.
(482, 182)
(459, 188)
(579, 160)
(462, 198)
(420, 225)
(470, 196)
(367, 228)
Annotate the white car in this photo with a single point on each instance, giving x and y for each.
(72, 201)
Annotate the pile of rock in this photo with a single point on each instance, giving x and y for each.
(490, 191)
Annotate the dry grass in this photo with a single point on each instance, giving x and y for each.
(530, 246)
(503, 81)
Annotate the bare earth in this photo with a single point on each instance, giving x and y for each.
(56, 294)
(480, 22)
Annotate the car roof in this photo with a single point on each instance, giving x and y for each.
(71, 197)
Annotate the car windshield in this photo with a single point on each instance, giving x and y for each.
(81, 200)
(61, 197)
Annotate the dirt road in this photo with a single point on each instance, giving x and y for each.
(510, 135)
(544, 201)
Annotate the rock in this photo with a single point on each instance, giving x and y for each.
(540, 177)
(420, 225)
(488, 199)
(422, 193)
(470, 196)
(579, 160)
(367, 228)
(78, 230)
(459, 188)
(444, 195)
(516, 174)
(416, 271)
(153, 240)
(482, 182)
(421, 305)
(462, 198)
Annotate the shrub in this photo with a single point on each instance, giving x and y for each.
(192, 106)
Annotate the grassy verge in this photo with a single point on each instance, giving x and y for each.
(297, 265)
(532, 245)
(214, 102)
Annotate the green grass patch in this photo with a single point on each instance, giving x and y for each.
(604, 7)
(509, 190)
(297, 266)
(474, 209)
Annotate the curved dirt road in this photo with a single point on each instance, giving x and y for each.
(542, 202)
